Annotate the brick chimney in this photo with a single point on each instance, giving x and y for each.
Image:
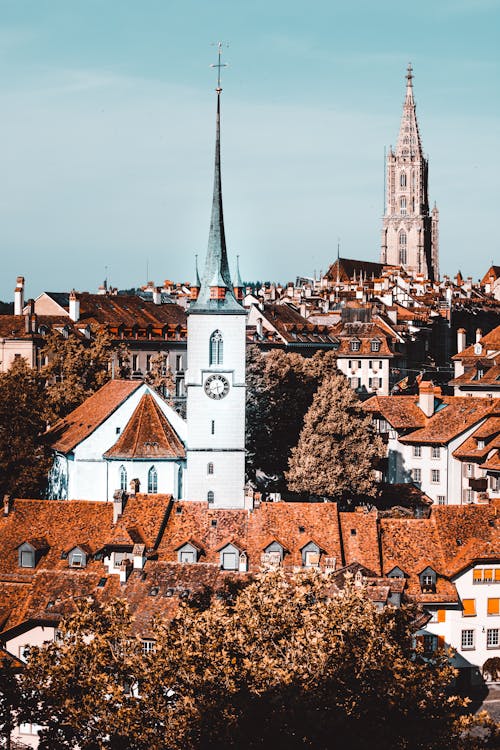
(6, 504)
(426, 397)
(461, 340)
(157, 295)
(479, 333)
(74, 306)
(119, 500)
(19, 296)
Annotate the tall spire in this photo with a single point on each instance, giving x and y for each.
(216, 290)
(409, 145)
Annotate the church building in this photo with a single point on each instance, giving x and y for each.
(409, 232)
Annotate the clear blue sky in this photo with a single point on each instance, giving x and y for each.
(107, 130)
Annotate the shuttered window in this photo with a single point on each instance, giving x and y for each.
(494, 606)
(441, 615)
(497, 575)
(477, 576)
(488, 574)
(469, 606)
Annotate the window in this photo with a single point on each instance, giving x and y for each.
(355, 345)
(119, 557)
(216, 348)
(402, 206)
(178, 362)
(480, 444)
(495, 484)
(210, 497)
(469, 607)
(310, 555)
(77, 559)
(402, 248)
(492, 638)
(212, 429)
(375, 346)
(354, 383)
(435, 476)
(494, 606)
(486, 575)
(417, 451)
(135, 362)
(152, 481)
(27, 558)
(123, 478)
(210, 468)
(428, 581)
(429, 643)
(416, 475)
(467, 640)
(229, 557)
(187, 553)
(402, 180)
(275, 553)
(469, 469)
(148, 646)
(441, 499)
(180, 474)
(441, 615)
(148, 362)
(435, 451)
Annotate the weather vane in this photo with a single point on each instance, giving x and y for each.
(219, 64)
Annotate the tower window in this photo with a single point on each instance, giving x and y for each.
(210, 496)
(402, 206)
(402, 180)
(123, 478)
(213, 427)
(216, 348)
(152, 481)
(210, 468)
(402, 248)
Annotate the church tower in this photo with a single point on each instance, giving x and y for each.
(409, 232)
(215, 378)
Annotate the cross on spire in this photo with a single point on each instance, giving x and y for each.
(219, 65)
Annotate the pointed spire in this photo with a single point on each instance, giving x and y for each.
(238, 284)
(216, 289)
(409, 146)
(198, 283)
(195, 288)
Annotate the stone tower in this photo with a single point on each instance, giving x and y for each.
(215, 378)
(410, 235)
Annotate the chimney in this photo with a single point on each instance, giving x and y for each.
(6, 504)
(461, 340)
(157, 295)
(19, 296)
(119, 500)
(479, 333)
(259, 327)
(426, 397)
(139, 556)
(74, 306)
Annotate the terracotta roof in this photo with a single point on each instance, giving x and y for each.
(148, 434)
(490, 343)
(487, 432)
(459, 415)
(348, 267)
(294, 329)
(13, 326)
(402, 412)
(360, 539)
(67, 433)
(493, 462)
(364, 333)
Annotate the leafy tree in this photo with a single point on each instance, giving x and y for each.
(280, 388)
(10, 699)
(24, 460)
(337, 448)
(77, 367)
(287, 661)
(160, 376)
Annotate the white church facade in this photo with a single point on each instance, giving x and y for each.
(126, 437)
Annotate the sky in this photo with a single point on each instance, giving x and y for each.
(107, 116)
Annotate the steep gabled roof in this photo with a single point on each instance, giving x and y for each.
(148, 434)
(459, 415)
(402, 412)
(67, 433)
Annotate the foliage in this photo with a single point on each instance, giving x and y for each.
(10, 700)
(280, 388)
(24, 461)
(287, 661)
(160, 376)
(338, 447)
(77, 367)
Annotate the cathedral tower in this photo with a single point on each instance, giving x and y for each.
(409, 232)
(215, 378)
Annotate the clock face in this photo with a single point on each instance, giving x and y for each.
(216, 386)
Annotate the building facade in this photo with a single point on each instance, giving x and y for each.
(409, 231)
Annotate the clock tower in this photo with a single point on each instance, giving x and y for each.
(215, 378)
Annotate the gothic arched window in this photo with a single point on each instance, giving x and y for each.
(402, 179)
(216, 348)
(179, 483)
(402, 206)
(210, 496)
(123, 478)
(152, 481)
(402, 248)
(210, 468)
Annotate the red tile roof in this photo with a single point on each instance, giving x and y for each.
(148, 434)
(67, 433)
(402, 412)
(459, 415)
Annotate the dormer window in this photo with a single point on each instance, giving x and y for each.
(355, 345)
(310, 555)
(480, 445)
(275, 552)
(229, 557)
(187, 553)
(77, 558)
(396, 573)
(428, 580)
(375, 345)
(26, 556)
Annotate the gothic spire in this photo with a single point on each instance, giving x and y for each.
(409, 145)
(216, 289)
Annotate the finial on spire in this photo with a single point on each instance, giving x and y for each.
(409, 74)
(219, 65)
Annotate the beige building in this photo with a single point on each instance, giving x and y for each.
(409, 231)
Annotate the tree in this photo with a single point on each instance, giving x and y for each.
(280, 388)
(286, 661)
(10, 698)
(338, 448)
(77, 367)
(160, 376)
(24, 460)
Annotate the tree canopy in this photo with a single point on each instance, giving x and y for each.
(288, 661)
(24, 460)
(338, 448)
